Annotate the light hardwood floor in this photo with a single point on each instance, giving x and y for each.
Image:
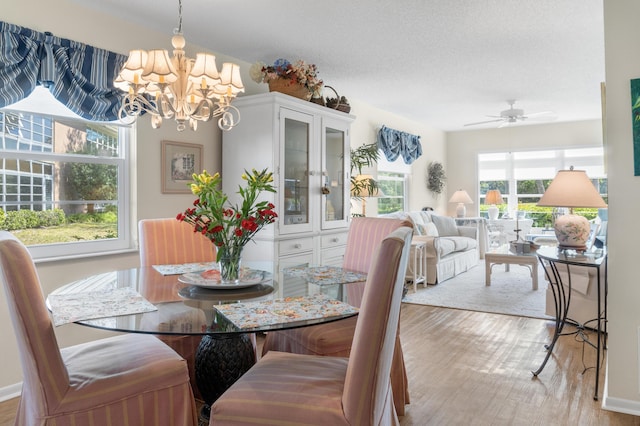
(471, 368)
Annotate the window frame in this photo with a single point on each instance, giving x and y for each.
(123, 161)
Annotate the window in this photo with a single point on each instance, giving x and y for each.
(63, 182)
(522, 178)
(393, 188)
(393, 183)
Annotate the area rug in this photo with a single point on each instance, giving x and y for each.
(510, 292)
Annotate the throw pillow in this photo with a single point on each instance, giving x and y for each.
(421, 229)
(446, 226)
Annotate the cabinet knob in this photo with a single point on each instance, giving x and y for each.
(334, 240)
(297, 245)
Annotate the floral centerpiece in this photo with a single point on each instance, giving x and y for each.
(229, 227)
(300, 72)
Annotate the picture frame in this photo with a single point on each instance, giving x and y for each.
(179, 162)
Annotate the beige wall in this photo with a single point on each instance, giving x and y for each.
(364, 131)
(463, 149)
(622, 64)
(65, 19)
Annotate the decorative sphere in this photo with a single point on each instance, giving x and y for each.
(178, 41)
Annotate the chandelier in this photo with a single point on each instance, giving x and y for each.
(181, 88)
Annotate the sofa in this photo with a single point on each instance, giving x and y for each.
(450, 249)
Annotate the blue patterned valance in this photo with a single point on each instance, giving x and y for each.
(79, 76)
(395, 143)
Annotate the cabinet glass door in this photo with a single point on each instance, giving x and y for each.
(335, 176)
(295, 197)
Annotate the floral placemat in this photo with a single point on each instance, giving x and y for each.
(279, 311)
(184, 268)
(71, 307)
(325, 275)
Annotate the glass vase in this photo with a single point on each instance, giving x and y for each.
(230, 262)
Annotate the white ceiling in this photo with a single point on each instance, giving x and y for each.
(443, 63)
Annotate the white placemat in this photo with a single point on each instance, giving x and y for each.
(67, 308)
(184, 268)
(290, 309)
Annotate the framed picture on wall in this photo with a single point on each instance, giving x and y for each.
(179, 162)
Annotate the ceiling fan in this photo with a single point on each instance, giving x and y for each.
(511, 115)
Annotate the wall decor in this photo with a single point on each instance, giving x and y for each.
(179, 162)
(436, 177)
(635, 117)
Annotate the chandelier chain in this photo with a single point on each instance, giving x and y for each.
(179, 29)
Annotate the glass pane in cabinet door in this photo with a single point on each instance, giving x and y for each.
(334, 175)
(296, 175)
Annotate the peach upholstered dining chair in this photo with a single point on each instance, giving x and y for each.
(334, 339)
(168, 241)
(286, 388)
(128, 379)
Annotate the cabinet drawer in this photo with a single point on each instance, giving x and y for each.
(333, 240)
(333, 257)
(295, 246)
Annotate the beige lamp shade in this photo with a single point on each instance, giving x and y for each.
(572, 188)
(363, 188)
(461, 197)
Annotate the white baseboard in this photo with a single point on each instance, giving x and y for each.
(10, 392)
(621, 405)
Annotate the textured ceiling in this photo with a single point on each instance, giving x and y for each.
(443, 63)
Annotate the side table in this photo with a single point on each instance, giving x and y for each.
(416, 270)
(555, 260)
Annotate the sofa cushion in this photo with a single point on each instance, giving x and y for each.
(446, 225)
(448, 245)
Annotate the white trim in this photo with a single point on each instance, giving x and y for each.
(10, 392)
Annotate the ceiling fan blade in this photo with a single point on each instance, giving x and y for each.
(483, 122)
(536, 114)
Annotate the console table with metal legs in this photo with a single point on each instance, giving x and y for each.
(557, 263)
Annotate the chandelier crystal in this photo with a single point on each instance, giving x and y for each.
(181, 88)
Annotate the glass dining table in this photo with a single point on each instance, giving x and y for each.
(190, 300)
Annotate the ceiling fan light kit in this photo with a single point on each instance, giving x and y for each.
(509, 116)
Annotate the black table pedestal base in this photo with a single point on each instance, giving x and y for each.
(220, 361)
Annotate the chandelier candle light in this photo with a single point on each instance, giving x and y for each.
(181, 88)
(461, 197)
(572, 188)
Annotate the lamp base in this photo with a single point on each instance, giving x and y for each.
(572, 231)
(461, 210)
(493, 212)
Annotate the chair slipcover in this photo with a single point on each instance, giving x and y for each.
(128, 379)
(286, 388)
(335, 339)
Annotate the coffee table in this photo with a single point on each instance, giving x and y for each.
(501, 255)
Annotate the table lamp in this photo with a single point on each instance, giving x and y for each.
(365, 187)
(493, 197)
(461, 197)
(571, 188)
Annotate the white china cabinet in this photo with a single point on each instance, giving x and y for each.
(307, 148)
